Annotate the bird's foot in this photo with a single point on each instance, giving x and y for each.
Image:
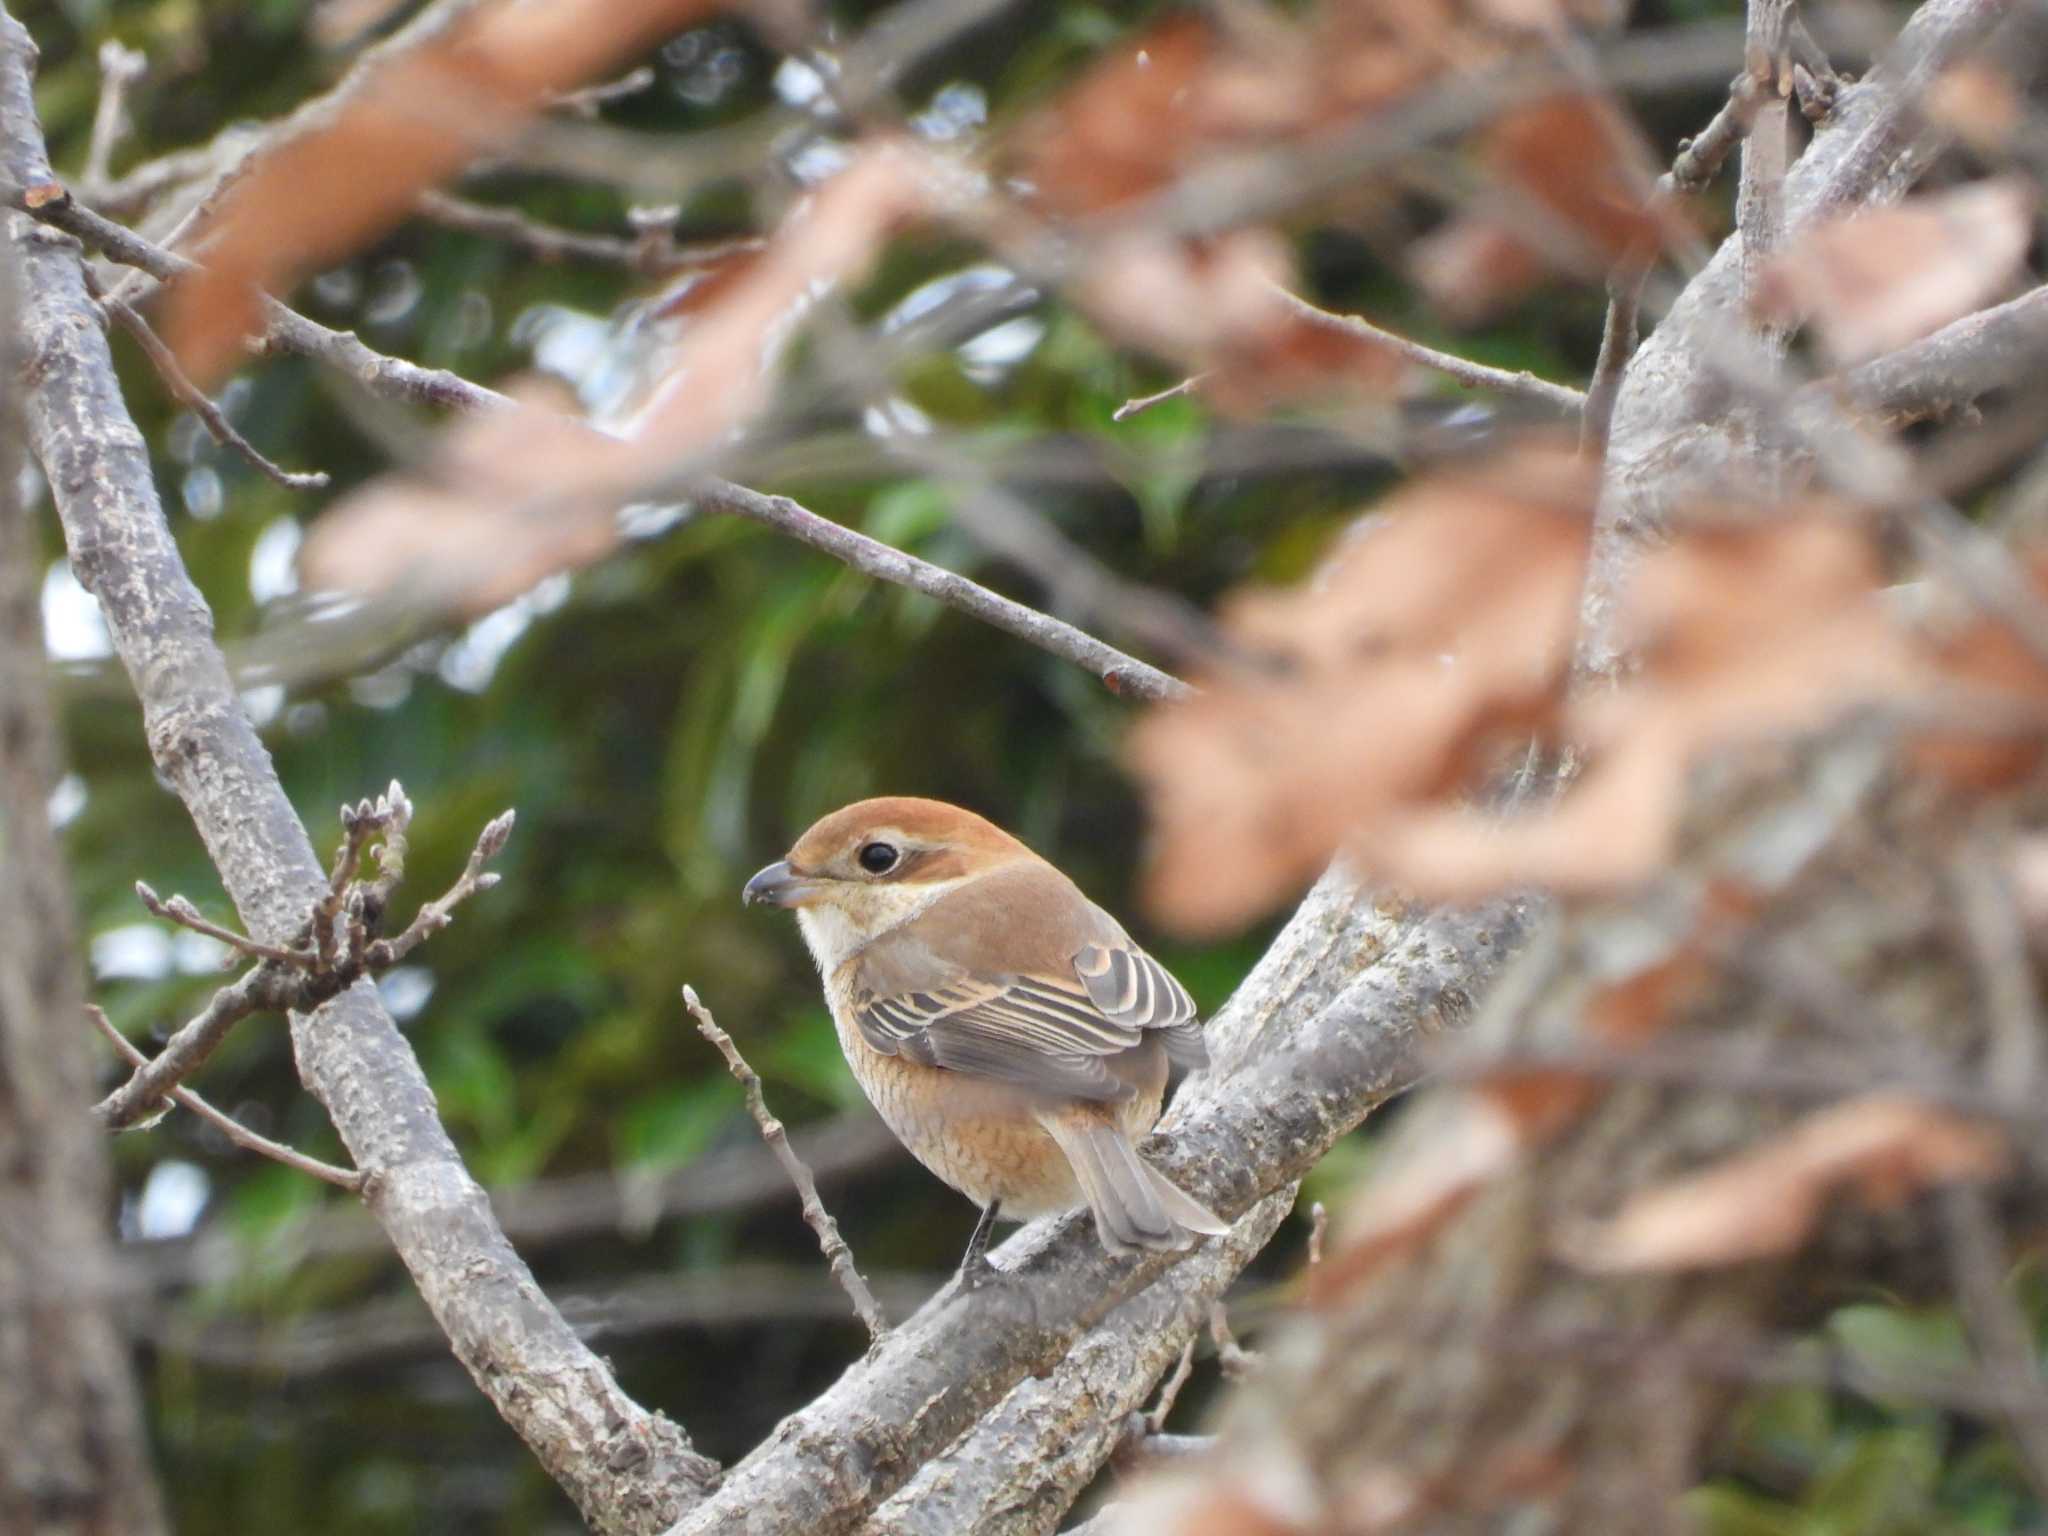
(977, 1273)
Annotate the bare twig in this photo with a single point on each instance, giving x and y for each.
(1169, 1390)
(1318, 1229)
(820, 1221)
(285, 329)
(1766, 153)
(180, 911)
(196, 400)
(437, 914)
(1139, 403)
(1121, 673)
(1619, 334)
(1560, 398)
(397, 379)
(344, 1178)
(359, 824)
(290, 978)
(652, 253)
(586, 101)
(1233, 1359)
(120, 68)
(267, 988)
(2011, 999)
(1700, 158)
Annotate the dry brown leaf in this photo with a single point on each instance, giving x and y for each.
(1988, 664)
(1764, 1203)
(1216, 307)
(1744, 632)
(505, 503)
(1194, 89)
(1471, 269)
(724, 365)
(1125, 127)
(422, 115)
(1875, 280)
(1441, 631)
(1975, 100)
(516, 495)
(1478, 1137)
(1571, 157)
(1437, 645)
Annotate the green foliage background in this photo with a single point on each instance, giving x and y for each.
(665, 723)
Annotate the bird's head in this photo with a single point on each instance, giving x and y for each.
(874, 865)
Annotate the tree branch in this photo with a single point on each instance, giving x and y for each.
(1561, 399)
(1021, 1467)
(627, 1469)
(227, 1125)
(74, 1457)
(1670, 417)
(1331, 1021)
(1993, 349)
(837, 1255)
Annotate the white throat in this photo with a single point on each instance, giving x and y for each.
(838, 931)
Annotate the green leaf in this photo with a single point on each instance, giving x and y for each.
(1881, 1482)
(1901, 1343)
(670, 1129)
(1721, 1510)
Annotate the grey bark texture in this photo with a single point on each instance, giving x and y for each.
(73, 1459)
(1676, 434)
(627, 1469)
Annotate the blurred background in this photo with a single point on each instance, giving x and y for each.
(665, 722)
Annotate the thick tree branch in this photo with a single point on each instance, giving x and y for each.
(629, 1470)
(1671, 437)
(74, 1459)
(1018, 1471)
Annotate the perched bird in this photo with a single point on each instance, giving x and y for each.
(1007, 1029)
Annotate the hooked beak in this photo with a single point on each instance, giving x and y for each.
(779, 886)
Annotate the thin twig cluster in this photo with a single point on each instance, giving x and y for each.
(341, 943)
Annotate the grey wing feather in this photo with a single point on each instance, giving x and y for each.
(1030, 1032)
(1133, 989)
(1061, 1034)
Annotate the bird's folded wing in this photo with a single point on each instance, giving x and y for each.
(1029, 1030)
(1040, 1031)
(1132, 988)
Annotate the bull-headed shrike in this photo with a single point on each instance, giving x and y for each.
(1006, 1028)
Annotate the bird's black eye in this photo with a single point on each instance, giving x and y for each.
(877, 858)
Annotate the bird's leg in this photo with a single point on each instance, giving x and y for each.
(974, 1265)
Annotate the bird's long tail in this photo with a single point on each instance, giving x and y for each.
(1135, 1205)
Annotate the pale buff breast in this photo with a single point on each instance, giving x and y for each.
(983, 1138)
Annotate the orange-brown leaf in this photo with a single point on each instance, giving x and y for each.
(1477, 1138)
(1764, 1203)
(1440, 632)
(1875, 280)
(418, 118)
